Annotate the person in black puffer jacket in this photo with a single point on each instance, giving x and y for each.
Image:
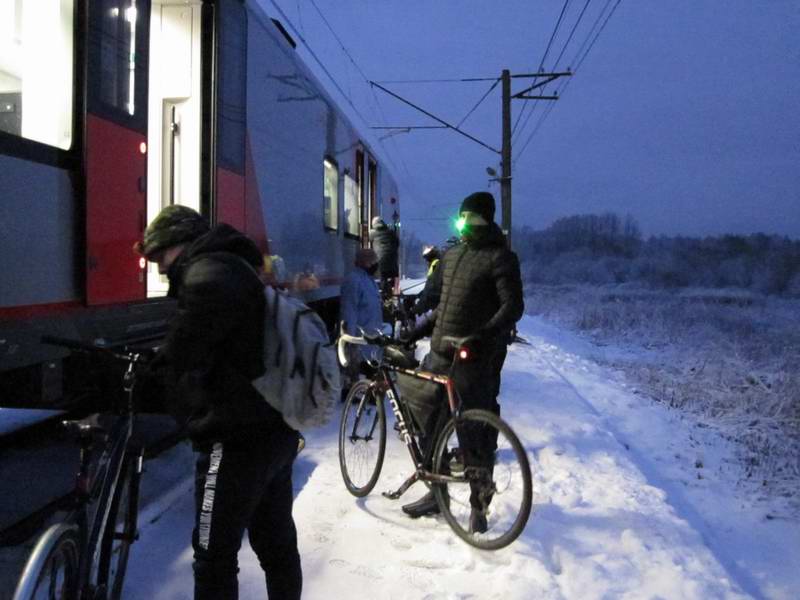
(202, 374)
(385, 243)
(481, 298)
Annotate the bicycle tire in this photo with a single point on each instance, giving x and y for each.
(120, 532)
(55, 576)
(506, 483)
(362, 439)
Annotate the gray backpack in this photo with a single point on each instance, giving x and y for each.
(302, 372)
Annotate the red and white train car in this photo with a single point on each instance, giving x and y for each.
(113, 109)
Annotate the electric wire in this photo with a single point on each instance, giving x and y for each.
(378, 107)
(567, 82)
(591, 32)
(558, 60)
(571, 34)
(477, 104)
(563, 85)
(460, 80)
(544, 57)
(332, 78)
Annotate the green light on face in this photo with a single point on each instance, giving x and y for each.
(461, 222)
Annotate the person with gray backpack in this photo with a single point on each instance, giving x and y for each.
(204, 375)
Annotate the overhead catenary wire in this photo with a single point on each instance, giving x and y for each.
(378, 107)
(577, 66)
(459, 80)
(478, 103)
(544, 57)
(558, 60)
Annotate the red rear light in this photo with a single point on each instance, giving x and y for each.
(463, 354)
(143, 148)
(142, 263)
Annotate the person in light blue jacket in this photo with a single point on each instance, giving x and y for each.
(360, 308)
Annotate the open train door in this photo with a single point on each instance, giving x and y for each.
(181, 54)
(115, 148)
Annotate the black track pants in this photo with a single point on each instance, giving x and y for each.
(478, 384)
(246, 488)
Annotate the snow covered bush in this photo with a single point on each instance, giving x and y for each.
(729, 357)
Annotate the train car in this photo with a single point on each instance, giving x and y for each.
(111, 110)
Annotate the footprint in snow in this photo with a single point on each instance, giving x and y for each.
(401, 544)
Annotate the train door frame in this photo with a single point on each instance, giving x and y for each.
(180, 39)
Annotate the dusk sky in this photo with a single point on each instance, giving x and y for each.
(684, 113)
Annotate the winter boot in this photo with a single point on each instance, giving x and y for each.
(423, 507)
(477, 521)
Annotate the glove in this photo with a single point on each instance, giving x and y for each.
(409, 337)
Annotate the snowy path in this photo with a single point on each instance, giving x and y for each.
(617, 514)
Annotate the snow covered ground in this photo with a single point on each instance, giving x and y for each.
(632, 500)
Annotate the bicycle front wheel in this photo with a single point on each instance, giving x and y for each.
(120, 532)
(488, 495)
(52, 570)
(362, 438)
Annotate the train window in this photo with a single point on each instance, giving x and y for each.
(351, 213)
(118, 61)
(36, 70)
(330, 206)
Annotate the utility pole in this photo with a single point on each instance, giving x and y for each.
(505, 157)
(505, 153)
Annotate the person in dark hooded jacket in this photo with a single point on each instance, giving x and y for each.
(386, 244)
(481, 298)
(429, 297)
(213, 350)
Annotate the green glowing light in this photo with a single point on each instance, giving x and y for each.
(461, 222)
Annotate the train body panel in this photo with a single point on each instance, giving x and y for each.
(39, 230)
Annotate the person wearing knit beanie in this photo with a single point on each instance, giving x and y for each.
(176, 224)
(481, 203)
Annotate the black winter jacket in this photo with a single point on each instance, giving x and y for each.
(215, 345)
(481, 292)
(385, 243)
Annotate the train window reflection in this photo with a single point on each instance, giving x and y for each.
(36, 70)
(330, 205)
(118, 54)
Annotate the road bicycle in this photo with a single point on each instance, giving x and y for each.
(84, 554)
(461, 478)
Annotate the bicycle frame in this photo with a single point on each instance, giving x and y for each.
(105, 482)
(90, 503)
(395, 399)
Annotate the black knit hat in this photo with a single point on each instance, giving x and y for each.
(175, 224)
(481, 203)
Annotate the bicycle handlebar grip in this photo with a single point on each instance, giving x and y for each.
(340, 351)
(346, 338)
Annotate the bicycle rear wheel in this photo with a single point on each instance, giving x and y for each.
(362, 439)
(487, 499)
(120, 532)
